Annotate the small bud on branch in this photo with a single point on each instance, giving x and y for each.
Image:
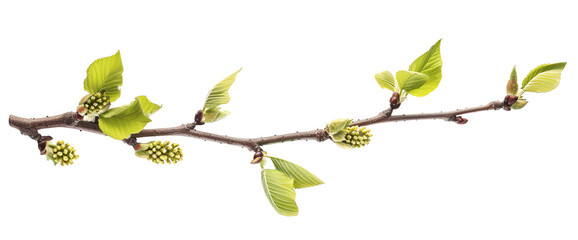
(394, 101)
(257, 158)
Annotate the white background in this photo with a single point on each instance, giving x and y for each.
(504, 175)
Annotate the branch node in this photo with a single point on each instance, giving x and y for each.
(509, 100)
(321, 135)
(42, 142)
(191, 126)
(131, 141)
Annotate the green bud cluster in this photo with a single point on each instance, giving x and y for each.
(160, 152)
(93, 104)
(356, 137)
(61, 152)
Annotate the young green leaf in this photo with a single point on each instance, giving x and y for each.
(430, 64)
(544, 82)
(279, 191)
(337, 125)
(385, 80)
(105, 75)
(214, 114)
(339, 136)
(217, 96)
(220, 92)
(512, 86)
(344, 145)
(120, 122)
(410, 81)
(543, 78)
(302, 177)
(147, 106)
(521, 103)
(262, 163)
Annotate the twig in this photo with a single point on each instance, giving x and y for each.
(30, 127)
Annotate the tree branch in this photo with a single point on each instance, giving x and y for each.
(30, 127)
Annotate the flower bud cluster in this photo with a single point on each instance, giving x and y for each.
(61, 152)
(93, 104)
(356, 137)
(160, 152)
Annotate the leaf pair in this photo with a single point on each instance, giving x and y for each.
(105, 76)
(279, 184)
(422, 77)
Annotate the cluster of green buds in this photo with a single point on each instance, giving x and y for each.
(159, 152)
(348, 136)
(93, 104)
(357, 137)
(60, 152)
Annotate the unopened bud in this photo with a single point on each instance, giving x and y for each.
(199, 117)
(257, 158)
(512, 86)
(394, 102)
(461, 120)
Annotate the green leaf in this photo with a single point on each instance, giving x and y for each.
(302, 177)
(105, 75)
(521, 103)
(279, 190)
(263, 162)
(220, 92)
(214, 114)
(512, 86)
(544, 82)
(339, 136)
(430, 64)
(337, 125)
(147, 106)
(385, 80)
(409, 81)
(543, 78)
(120, 122)
(344, 145)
